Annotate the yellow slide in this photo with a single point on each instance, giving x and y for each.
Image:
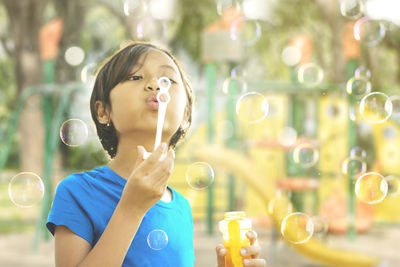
(251, 175)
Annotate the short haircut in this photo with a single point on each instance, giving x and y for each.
(116, 69)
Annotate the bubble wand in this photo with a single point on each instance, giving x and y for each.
(163, 98)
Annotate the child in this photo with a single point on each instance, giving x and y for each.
(103, 217)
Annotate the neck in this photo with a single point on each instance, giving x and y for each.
(127, 154)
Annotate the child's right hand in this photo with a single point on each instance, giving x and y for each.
(148, 181)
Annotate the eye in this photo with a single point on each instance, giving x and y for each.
(134, 78)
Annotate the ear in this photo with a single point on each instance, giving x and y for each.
(103, 115)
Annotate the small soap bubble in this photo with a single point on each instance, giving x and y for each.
(74, 132)
(287, 136)
(310, 74)
(88, 73)
(371, 188)
(321, 227)
(199, 175)
(247, 30)
(135, 8)
(362, 71)
(358, 86)
(393, 183)
(291, 55)
(280, 206)
(354, 166)
(358, 152)
(238, 72)
(236, 85)
(164, 83)
(297, 228)
(376, 107)
(224, 5)
(395, 99)
(157, 239)
(351, 9)
(26, 189)
(252, 107)
(369, 31)
(74, 55)
(306, 155)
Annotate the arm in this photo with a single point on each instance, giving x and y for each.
(110, 250)
(144, 188)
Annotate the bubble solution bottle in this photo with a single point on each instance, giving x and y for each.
(234, 227)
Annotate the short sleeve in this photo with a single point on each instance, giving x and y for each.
(70, 209)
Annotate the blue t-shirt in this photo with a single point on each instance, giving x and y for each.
(85, 202)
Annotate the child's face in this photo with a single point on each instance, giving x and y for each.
(130, 111)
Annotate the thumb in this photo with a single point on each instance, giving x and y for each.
(221, 252)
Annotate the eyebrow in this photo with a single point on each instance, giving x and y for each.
(168, 66)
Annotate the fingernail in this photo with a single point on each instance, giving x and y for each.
(222, 251)
(243, 251)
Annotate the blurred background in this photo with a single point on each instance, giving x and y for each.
(296, 119)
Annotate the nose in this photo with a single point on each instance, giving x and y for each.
(152, 85)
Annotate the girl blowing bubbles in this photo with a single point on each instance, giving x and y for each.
(103, 217)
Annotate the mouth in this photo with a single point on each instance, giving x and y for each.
(152, 102)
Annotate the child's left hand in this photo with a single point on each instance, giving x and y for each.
(253, 251)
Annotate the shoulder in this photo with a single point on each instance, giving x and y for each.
(76, 182)
(180, 199)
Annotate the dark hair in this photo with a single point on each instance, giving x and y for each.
(116, 69)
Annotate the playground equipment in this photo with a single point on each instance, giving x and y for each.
(240, 165)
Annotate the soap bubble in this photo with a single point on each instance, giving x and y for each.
(280, 206)
(238, 85)
(354, 166)
(358, 152)
(135, 8)
(157, 239)
(393, 183)
(164, 83)
(371, 187)
(376, 107)
(88, 73)
(358, 86)
(369, 31)
(297, 228)
(73, 132)
(246, 29)
(321, 227)
(287, 136)
(306, 155)
(223, 5)
(238, 72)
(351, 9)
(199, 175)
(26, 189)
(252, 107)
(74, 55)
(310, 74)
(362, 71)
(395, 99)
(291, 55)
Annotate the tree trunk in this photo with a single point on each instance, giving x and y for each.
(25, 19)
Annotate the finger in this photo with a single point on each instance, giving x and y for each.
(140, 158)
(151, 161)
(252, 236)
(254, 263)
(253, 251)
(221, 252)
(163, 171)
